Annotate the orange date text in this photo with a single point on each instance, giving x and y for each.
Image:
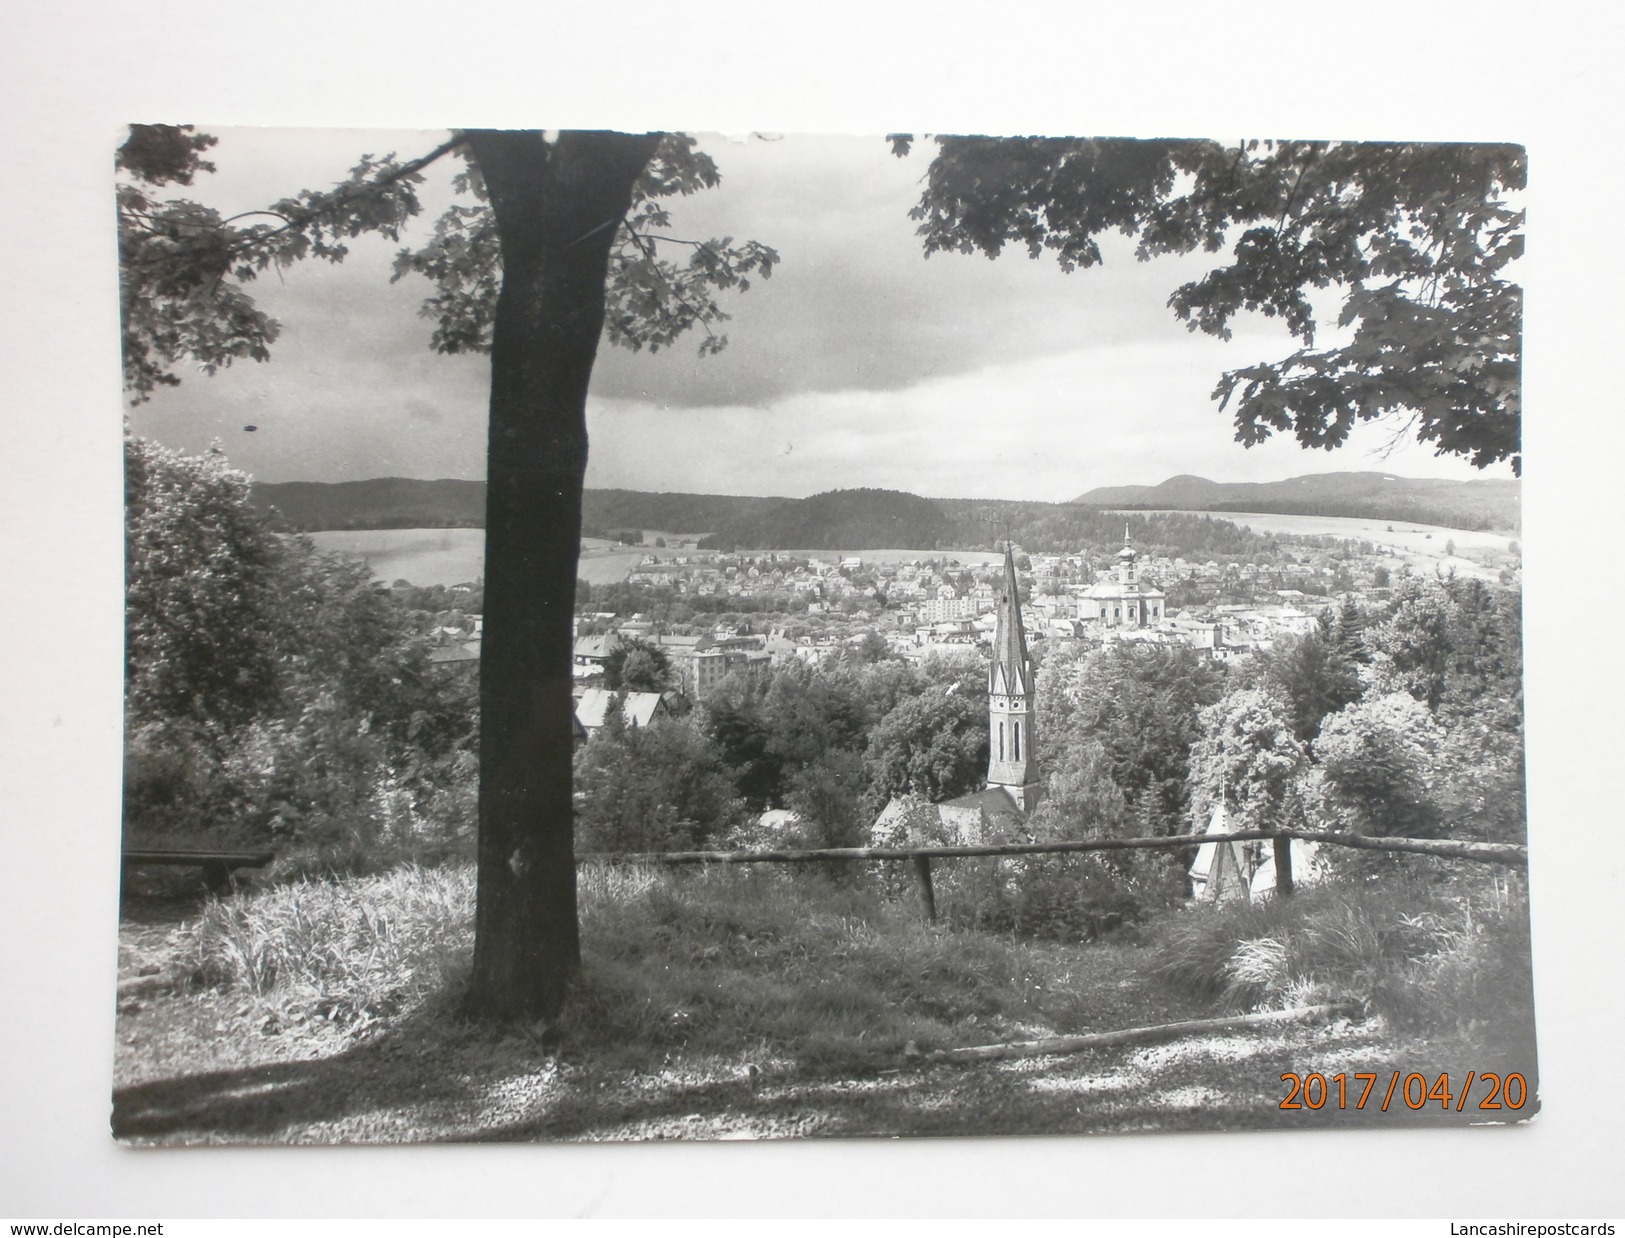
(1476, 1091)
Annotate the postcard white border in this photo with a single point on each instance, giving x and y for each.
(75, 71)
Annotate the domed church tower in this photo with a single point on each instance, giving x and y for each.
(1127, 602)
(1011, 701)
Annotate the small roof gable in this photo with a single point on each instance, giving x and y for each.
(637, 708)
(593, 706)
(597, 646)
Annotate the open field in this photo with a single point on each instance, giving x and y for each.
(457, 556)
(966, 558)
(421, 556)
(604, 567)
(1421, 546)
(454, 556)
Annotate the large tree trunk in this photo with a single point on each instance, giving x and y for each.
(557, 208)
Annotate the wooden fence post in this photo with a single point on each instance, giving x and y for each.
(1283, 865)
(922, 880)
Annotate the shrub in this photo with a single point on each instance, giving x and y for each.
(652, 788)
(1072, 898)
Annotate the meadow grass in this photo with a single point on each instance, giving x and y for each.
(797, 966)
(756, 964)
(792, 968)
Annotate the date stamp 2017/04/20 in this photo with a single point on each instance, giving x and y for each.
(1414, 1090)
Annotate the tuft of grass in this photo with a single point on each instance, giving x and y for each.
(354, 950)
(1428, 955)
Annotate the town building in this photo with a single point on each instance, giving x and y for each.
(637, 708)
(1125, 601)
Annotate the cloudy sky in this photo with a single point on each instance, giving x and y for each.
(859, 363)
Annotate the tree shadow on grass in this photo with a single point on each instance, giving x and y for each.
(433, 1078)
(398, 1086)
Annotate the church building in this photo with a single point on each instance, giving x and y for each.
(1011, 793)
(1125, 602)
(1012, 702)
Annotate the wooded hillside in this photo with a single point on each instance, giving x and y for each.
(1483, 503)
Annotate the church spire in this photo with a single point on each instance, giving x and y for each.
(1010, 663)
(1011, 699)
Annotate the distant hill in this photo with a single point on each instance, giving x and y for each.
(379, 503)
(1487, 503)
(840, 520)
(874, 519)
(679, 513)
(403, 503)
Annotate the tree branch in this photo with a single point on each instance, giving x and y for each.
(646, 249)
(341, 196)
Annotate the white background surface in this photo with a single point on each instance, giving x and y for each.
(72, 73)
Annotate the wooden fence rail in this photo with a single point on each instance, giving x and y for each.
(1511, 854)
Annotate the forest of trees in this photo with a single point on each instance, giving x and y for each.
(839, 520)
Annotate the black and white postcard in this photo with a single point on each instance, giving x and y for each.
(766, 636)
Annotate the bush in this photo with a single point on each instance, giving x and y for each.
(1070, 898)
(653, 788)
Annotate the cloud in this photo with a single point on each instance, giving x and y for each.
(1046, 429)
(860, 362)
(856, 304)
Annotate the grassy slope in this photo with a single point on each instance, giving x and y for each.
(714, 1005)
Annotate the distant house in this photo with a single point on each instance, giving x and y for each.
(675, 646)
(981, 815)
(594, 651)
(637, 708)
(701, 669)
(456, 655)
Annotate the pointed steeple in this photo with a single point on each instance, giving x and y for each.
(1011, 673)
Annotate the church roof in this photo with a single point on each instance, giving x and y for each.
(989, 806)
(964, 820)
(1117, 589)
(1011, 672)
